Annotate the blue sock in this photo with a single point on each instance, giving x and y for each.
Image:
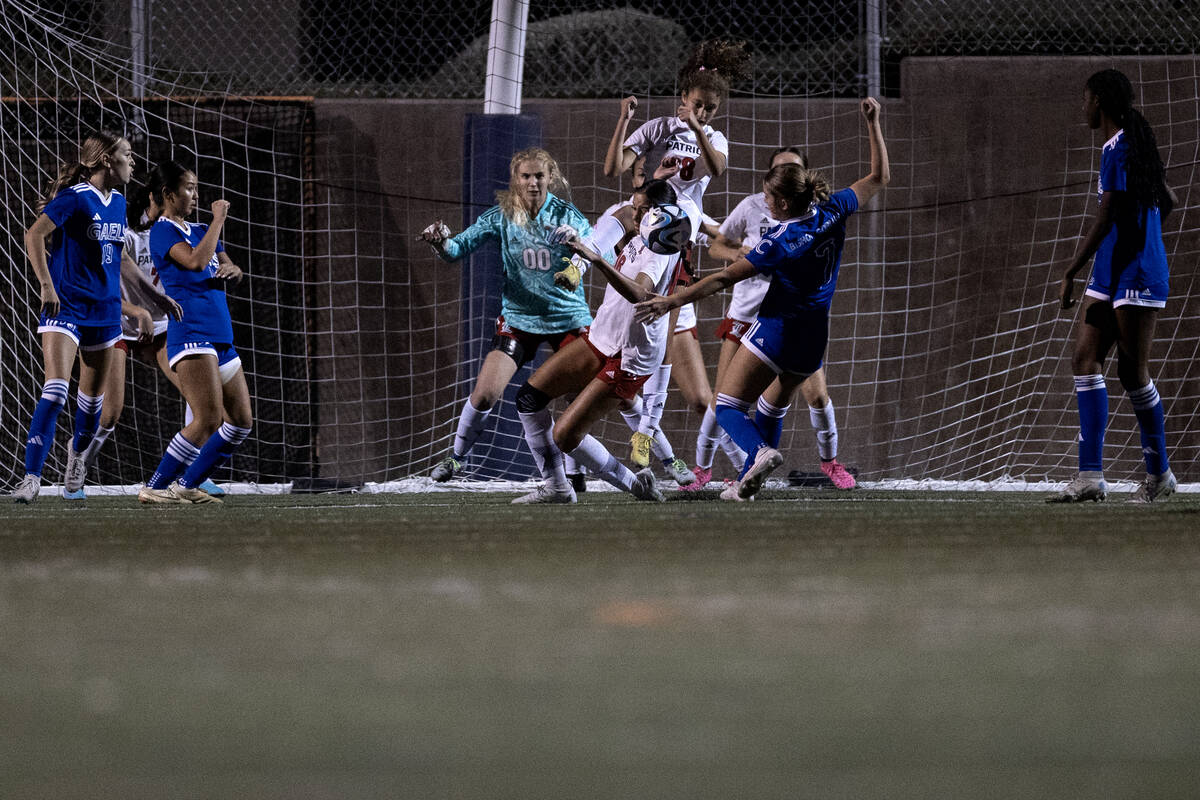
(769, 420)
(87, 420)
(41, 427)
(180, 453)
(734, 416)
(1148, 408)
(1092, 397)
(216, 451)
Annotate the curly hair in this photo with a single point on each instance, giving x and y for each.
(714, 66)
(1147, 177)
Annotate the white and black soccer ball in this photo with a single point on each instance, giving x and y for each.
(666, 229)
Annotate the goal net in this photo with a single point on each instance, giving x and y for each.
(338, 136)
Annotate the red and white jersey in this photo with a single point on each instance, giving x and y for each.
(137, 247)
(749, 222)
(670, 137)
(642, 345)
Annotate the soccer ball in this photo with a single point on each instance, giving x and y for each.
(666, 229)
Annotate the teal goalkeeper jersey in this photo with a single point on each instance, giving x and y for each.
(530, 302)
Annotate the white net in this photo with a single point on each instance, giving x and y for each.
(948, 357)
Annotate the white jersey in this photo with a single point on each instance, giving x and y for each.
(748, 223)
(642, 345)
(137, 245)
(670, 137)
(687, 313)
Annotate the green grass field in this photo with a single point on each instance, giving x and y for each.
(811, 644)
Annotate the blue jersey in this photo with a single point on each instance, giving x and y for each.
(530, 300)
(802, 257)
(199, 293)
(1132, 253)
(85, 253)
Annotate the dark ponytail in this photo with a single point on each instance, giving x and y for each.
(1146, 175)
(715, 65)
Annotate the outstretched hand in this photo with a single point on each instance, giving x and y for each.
(436, 234)
(652, 309)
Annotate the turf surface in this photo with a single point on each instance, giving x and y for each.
(811, 644)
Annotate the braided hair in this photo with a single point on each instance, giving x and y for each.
(1146, 176)
(714, 66)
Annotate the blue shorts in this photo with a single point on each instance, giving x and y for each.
(795, 345)
(228, 360)
(1137, 286)
(86, 337)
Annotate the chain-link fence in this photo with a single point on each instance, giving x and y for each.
(582, 48)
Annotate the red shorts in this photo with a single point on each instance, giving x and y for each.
(157, 342)
(531, 341)
(122, 345)
(732, 329)
(624, 385)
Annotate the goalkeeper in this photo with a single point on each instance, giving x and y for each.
(538, 304)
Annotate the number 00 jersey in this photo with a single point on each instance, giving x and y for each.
(530, 300)
(802, 256)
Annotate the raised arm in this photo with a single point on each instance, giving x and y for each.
(197, 258)
(657, 305)
(619, 158)
(714, 159)
(35, 247)
(881, 173)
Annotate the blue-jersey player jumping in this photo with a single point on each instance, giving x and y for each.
(1127, 288)
(80, 309)
(195, 269)
(540, 301)
(786, 343)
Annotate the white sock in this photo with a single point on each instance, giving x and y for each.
(825, 424)
(93, 449)
(539, 435)
(706, 439)
(654, 391)
(601, 463)
(470, 424)
(569, 465)
(736, 455)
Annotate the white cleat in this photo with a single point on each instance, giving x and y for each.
(76, 472)
(27, 490)
(644, 487)
(766, 460)
(680, 472)
(544, 494)
(165, 496)
(1086, 486)
(194, 495)
(1155, 488)
(730, 494)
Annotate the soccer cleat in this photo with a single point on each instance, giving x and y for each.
(766, 460)
(446, 470)
(79, 495)
(212, 488)
(703, 476)
(644, 487)
(837, 474)
(1154, 488)
(730, 493)
(165, 496)
(1086, 486)
(578, 482)
(76, 472)
(194, 495)
(544, 494)
(640, 452)
(27, 490)
(680, 472)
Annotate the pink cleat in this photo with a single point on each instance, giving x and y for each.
(703, 476)
(837, 474)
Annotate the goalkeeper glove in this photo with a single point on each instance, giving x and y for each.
(570, 276)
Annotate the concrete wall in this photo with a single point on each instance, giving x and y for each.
(948, 358)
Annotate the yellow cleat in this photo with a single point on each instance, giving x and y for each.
(640, 454)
